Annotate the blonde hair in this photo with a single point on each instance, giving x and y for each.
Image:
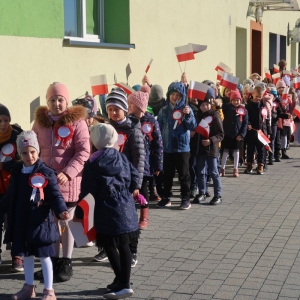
(246, 87)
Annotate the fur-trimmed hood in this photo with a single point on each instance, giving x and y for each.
(72, 114)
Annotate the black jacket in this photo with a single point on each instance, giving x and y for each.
(277, 112)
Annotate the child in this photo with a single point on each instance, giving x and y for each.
(256, 122)
(235, 129)
(208, 148)
(8, 136)
(176, 139)
(31, 228)
(137, 103)
(225, 95)
(111, 179)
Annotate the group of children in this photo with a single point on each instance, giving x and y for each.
(135, 146)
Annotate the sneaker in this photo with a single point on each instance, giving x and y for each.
(17, 264)
(207, 194)
(101, 256)
(154, 194)
(216, 200)
(185, 204)
(89, 244)
(134, 260)
(120, 291)
(38, 275)
(199, 198)
(113, 284)
(193, 193)
(65, 270)
(164, 202)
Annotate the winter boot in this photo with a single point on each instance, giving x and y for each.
(248, 169)
(48, 295)
(27, 292)
(65, 270)
(284, 155)
(144, 218)
(260, 169)
(277, 156)
(235, 172)
(153, 194)
(222, 172)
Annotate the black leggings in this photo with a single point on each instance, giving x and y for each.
(120, 260)
(144, 191)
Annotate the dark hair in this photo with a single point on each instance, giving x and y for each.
(282, 64)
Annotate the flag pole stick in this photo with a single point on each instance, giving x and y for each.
(180, 67)
(184, 66)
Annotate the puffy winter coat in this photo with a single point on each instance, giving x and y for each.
(277, 112)
(154, 149)
(111, 179)
(70, 158)
(41, 224)
(290, 108)
(134, 148)
(232, 124)
(178, 139)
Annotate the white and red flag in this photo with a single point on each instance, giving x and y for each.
(289, 73)
(203, 128)
(198, 48)
(296, 111)
(296, 82)
(285, 93)
(293, 127)
(220, 74)
(99, 85)
(197, 90)
(276, 77)
(276, 68)
(268, 74)
(184, 53)
(295, 73)
(88, 206)
(263, 139)
(128, 90)
(221, 66)
(149, 65)
(81, 239)
(229, 81)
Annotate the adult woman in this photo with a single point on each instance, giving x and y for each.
(64, 142)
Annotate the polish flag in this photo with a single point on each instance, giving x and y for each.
(268, 74)
(203, 128)
(295, 73)
(88, 206)
(197, 90)
(263, 139)
(198, 48)
(184, 53)
(276, 68)
(276, 77)
(285, 72)
(229, 81)
(296, 82)
(150, 63)
(77, 230)
(99, 85)
(293, 127)
(220, 75)
(296, 111)
(125, 87)
(285, 93)
(221, 66)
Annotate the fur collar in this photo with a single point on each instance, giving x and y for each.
(73, 114)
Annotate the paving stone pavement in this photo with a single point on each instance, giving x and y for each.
(246, 248)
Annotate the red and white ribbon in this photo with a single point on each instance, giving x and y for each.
(8, 150)
(264, 113)
(37, 181)
(122, 137)
(275, 105)
(241, 111)
(177, 116)
(147, 129)
(63, 134)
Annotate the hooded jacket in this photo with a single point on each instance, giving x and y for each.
(68, 159)
(178, 139)
(111, 179)
(134, 148)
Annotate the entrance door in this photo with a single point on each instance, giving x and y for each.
(256, 47)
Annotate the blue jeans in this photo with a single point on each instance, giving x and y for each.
(202, 163)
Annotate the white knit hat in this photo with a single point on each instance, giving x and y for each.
(103, 136)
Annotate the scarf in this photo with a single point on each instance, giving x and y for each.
(201, 115)
(6, 136)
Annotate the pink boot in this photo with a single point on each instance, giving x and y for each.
(235, 172)
(48, 295)
(222, 172)
(27, 292)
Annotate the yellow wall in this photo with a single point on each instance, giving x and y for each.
(29, 65)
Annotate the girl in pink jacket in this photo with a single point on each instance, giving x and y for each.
(63, 137)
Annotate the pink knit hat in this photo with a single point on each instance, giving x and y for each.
(57, 89)
(235, 94)
(140, 98)
(280, 83)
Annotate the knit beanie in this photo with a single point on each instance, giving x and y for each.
(240, 88)
(117, 97)
(248, 81)
(209, 94)
(262, 84)
(280, 83)
(210, 83)
(136, 87)
(140, 98)
(235, 94)
(287, 80)
(156, 94)
(273, 90)
(57, 89)
(103, 136)
(172, 91)
(25, 139)
(4, 111)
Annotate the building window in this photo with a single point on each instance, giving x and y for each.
(84, 19)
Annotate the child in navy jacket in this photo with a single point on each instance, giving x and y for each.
(235, 128)
(31, 228)
(111, 179)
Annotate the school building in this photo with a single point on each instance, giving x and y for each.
(42, 41)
